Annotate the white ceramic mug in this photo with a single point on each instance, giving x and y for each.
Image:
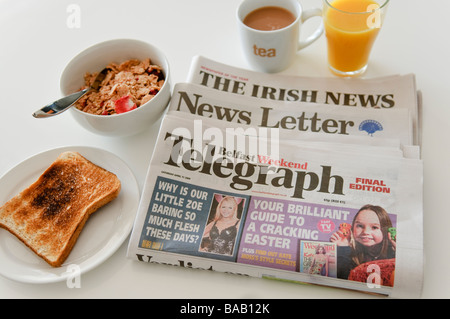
(273, 51)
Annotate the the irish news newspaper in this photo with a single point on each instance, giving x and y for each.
(309, 180)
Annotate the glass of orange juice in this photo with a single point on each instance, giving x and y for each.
(351, 27)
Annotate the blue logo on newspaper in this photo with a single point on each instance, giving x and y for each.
(370, 126)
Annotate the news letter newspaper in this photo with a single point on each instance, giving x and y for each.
(226, 194)
(297, 121)
(386, 93)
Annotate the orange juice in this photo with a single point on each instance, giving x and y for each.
(350, 33)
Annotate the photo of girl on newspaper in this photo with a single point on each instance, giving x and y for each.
(368, 242)
(224, 220)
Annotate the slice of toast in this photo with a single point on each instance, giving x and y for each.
(49, 215)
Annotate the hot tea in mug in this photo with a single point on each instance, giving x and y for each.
(269, 18)
(270, 32)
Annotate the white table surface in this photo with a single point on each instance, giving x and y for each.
(37, 41)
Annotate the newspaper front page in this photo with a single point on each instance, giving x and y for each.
(297, 121)
(339, 210)
(386, 93)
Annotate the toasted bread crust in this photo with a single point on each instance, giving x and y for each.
(49, 215)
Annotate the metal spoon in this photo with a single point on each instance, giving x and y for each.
(66, 102)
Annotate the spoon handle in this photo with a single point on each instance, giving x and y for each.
(59, 105)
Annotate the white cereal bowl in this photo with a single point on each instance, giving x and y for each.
(94, 59)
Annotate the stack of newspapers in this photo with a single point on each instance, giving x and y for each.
(311, 180)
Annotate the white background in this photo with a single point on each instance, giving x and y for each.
(37, 43)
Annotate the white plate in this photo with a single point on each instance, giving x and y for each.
(103, 234)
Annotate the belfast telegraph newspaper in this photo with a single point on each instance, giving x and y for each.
(308, 191)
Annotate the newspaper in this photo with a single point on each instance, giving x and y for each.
(386, 93)
(286, 208)
(224, 193)
(295, 120)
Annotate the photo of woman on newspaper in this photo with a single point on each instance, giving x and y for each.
(220, 233)
(368, 241)
(319, 264)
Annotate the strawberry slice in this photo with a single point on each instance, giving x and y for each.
(124, 104)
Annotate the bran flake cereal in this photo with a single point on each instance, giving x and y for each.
(127, 86)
